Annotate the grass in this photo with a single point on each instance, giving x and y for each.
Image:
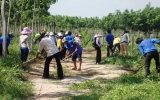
(13, 82)
(127, 87)
(133, 86)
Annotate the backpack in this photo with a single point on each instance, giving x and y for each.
(94, 45)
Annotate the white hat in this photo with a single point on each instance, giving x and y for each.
(51, 33)
(66, 33)
(99, 34)
(60, 34)
(95, 35)
(47, 33)
(64, 40)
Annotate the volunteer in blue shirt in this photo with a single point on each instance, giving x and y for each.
(76, 49)
(109, 40)
(69, 36)
(149, 51)
(8, 39)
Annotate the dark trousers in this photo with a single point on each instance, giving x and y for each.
(63, 52)
(24, 54)
(109, 48)
(148, 58)
(117, 45)
(98, 55)
(59, 66)
(0, 49)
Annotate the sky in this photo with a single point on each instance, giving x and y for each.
(99, 8)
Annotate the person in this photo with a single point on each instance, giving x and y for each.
(52, 52)
(64, 49)
(109, 40)
(149, 51)
(98, 48)
(52, 37)
(124, 43)
(25, 43)
(78, 38)
(73, 47)
(59, 43)
(116, 43)
(8, 39)
(69, 36)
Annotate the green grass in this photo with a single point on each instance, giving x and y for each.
(133, 86)
(127, 87)
(13, 82)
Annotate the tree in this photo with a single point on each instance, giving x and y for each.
(4, 26)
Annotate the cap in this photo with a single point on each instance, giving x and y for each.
(64, 40)
(37, 36)
(139, 40)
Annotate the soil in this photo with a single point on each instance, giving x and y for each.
(53, 88)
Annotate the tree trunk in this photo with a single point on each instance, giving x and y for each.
(20, 28)
(10, 5)
(4, 32)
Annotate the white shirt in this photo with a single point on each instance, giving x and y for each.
(24, 42)
(78, 40)
(48, 45)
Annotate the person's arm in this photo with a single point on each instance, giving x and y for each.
(76, 49)
(41, 47)
(97, 42)
(128, 37)
(155, 41)
(37, 55)
(141, 50)
(28, 44)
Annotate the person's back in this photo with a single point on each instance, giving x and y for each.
(125, 38)
(49, 46)
(148, 45)
(69, 38)
(109, 38)
(116, 40)
(24, 42)
(72, 46)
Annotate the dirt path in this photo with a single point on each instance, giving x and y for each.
(53, 89)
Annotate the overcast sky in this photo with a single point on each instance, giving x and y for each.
(100, 8)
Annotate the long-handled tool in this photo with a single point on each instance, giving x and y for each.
(135, 71)
(29, 60)
(68, 56)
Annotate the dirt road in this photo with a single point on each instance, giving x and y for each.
(53, 89)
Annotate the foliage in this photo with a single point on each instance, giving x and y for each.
(127, 87)
(13, 82)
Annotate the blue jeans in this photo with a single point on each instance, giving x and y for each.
(24, 54)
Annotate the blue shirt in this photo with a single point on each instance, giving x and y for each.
(7, 41)
(71, 46)
(69, 37)
(148, 45)
(109, 38)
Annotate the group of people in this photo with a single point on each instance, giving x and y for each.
(62, 45)
(59, 46)
(146, 47)
(112, 42)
